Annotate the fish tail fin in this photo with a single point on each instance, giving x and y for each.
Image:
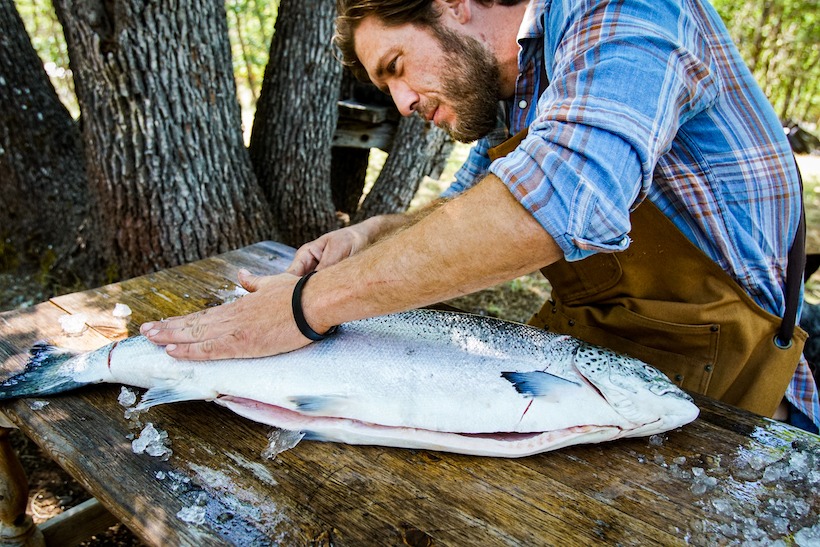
(43, 374)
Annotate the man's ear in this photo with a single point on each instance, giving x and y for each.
(459, 11)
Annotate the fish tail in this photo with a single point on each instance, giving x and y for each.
(43, 374)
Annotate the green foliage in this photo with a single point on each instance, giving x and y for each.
(46, 36)
(251, 26)
(780, 41)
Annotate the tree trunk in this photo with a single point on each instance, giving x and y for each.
(44, 209)
(162, 131)
(419, 149)
(295, 120)
(348, 174)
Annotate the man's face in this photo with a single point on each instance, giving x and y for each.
(447, 77)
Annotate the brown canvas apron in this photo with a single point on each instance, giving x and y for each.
(666, 302)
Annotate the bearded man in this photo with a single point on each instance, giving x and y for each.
(623, 148)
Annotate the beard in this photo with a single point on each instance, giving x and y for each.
(471, 87)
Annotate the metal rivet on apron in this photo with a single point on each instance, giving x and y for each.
(678, 377)
(571, 323)
(554, 310)
(708, 368)
(714, 328)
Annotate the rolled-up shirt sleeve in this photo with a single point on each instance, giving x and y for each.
(615, 103)
(588, 211)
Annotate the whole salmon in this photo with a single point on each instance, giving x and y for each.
(421, 379)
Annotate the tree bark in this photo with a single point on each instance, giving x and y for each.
(419, 149)
(295, 120)
(162, 131)
(45, 206)
(348, 174)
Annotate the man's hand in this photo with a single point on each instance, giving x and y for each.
(335, 246)
(258, 324)
(332, 248)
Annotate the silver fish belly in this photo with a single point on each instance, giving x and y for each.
(419, 379)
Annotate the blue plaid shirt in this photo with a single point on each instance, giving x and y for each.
(649, 100)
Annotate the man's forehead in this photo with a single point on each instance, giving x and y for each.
(376, 43)
(372, 39)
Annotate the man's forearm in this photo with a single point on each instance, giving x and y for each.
(472, 242)
(386, 225)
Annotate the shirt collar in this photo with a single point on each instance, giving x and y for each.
(532, 26)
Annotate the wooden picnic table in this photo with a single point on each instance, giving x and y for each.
(713, 481)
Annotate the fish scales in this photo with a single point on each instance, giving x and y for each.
(465, 383)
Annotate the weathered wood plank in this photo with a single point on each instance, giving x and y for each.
(77, 524)
(352, 134)
(354, 110)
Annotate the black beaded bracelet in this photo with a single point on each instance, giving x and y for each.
(299, 315)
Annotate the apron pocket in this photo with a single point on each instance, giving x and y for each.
(685, 353)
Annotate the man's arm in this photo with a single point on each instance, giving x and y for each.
(475, 241)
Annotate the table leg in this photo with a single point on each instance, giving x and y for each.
(16, 527)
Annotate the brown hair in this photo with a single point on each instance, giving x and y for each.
(350, 14)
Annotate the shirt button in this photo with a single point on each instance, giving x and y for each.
(522, 104)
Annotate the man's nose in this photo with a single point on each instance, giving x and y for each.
(407, 100)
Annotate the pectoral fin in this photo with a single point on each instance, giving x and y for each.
(172, 393)
(537, 383)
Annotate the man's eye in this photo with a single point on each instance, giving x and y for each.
(391, 67)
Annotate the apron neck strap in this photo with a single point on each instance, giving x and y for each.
(794, 275)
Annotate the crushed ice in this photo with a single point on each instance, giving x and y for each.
(38, 405)
(126, 397)
(231, 295)
(767, 496)
(195, 514)
(121, 310)
(280, 440)
(152, 441)
(73, 325)
(808, 536)
(179, 481)
(121, 314)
